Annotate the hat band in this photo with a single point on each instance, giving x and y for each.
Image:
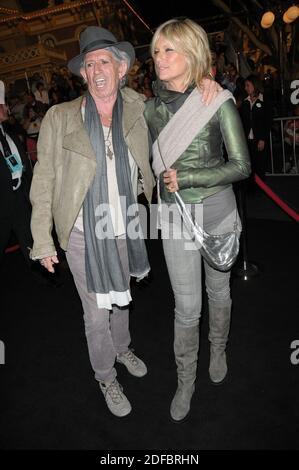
(95, 43)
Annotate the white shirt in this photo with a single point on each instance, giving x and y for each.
(260, 97)
(113, 192)
(43, 96)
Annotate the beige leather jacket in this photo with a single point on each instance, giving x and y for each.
(66, 168)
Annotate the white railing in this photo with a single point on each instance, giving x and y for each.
(284, 147)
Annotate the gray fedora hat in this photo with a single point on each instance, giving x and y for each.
(93, 38)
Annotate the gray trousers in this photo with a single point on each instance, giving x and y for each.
(107, 332)
(184, 263)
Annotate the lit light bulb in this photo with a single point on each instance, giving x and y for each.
(291, 14)
(267, 19)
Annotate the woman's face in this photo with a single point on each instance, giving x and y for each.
(249, 88)
(171, 66)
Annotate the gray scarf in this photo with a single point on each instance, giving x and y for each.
(104, 271)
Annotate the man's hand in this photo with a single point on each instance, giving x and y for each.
(210, 90)
(49, 262)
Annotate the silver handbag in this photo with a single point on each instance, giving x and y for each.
(220, 251)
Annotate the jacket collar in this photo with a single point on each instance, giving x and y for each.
(258, 98)
(77, 139)
(133, 109)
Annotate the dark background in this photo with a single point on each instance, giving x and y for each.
(155, 13)
(152, 12)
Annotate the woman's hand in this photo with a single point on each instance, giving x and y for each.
(261, 145)
(210, 90)
(49, 262)
(170, 180)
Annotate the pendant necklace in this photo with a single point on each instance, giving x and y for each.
(108, 144)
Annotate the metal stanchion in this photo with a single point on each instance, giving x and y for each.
(243, 269)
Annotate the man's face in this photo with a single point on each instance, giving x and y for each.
(249, 88)
(232, 73)
(214, 57)
(3, 112)
(29, 99)
(102, 73)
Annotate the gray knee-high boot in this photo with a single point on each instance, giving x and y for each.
(186, 343)
(219, 320)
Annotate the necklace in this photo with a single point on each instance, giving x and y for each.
(106, 117)
(108, 145)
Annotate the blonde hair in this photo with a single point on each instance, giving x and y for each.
(190, 39)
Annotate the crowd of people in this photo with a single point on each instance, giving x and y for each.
(27, 108)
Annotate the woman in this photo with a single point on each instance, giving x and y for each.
(257, 117)
(197, 169)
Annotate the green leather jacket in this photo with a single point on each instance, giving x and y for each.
(202, 169)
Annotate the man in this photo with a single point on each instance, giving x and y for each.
(15, 178)
(15, 207)
(88, 161)
(41, 94)
(93, 159)
(234, 83)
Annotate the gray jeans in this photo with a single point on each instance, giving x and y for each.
(184, 261)
(107, 332)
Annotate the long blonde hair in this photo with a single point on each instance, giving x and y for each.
(190, 39)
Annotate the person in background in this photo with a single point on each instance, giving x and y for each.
(56, 93)
(31, 125)
(291, 138)
(31, 103)
(256, 115)
(188, 157)
(41, 95)
(15, 179)
(234, 82)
